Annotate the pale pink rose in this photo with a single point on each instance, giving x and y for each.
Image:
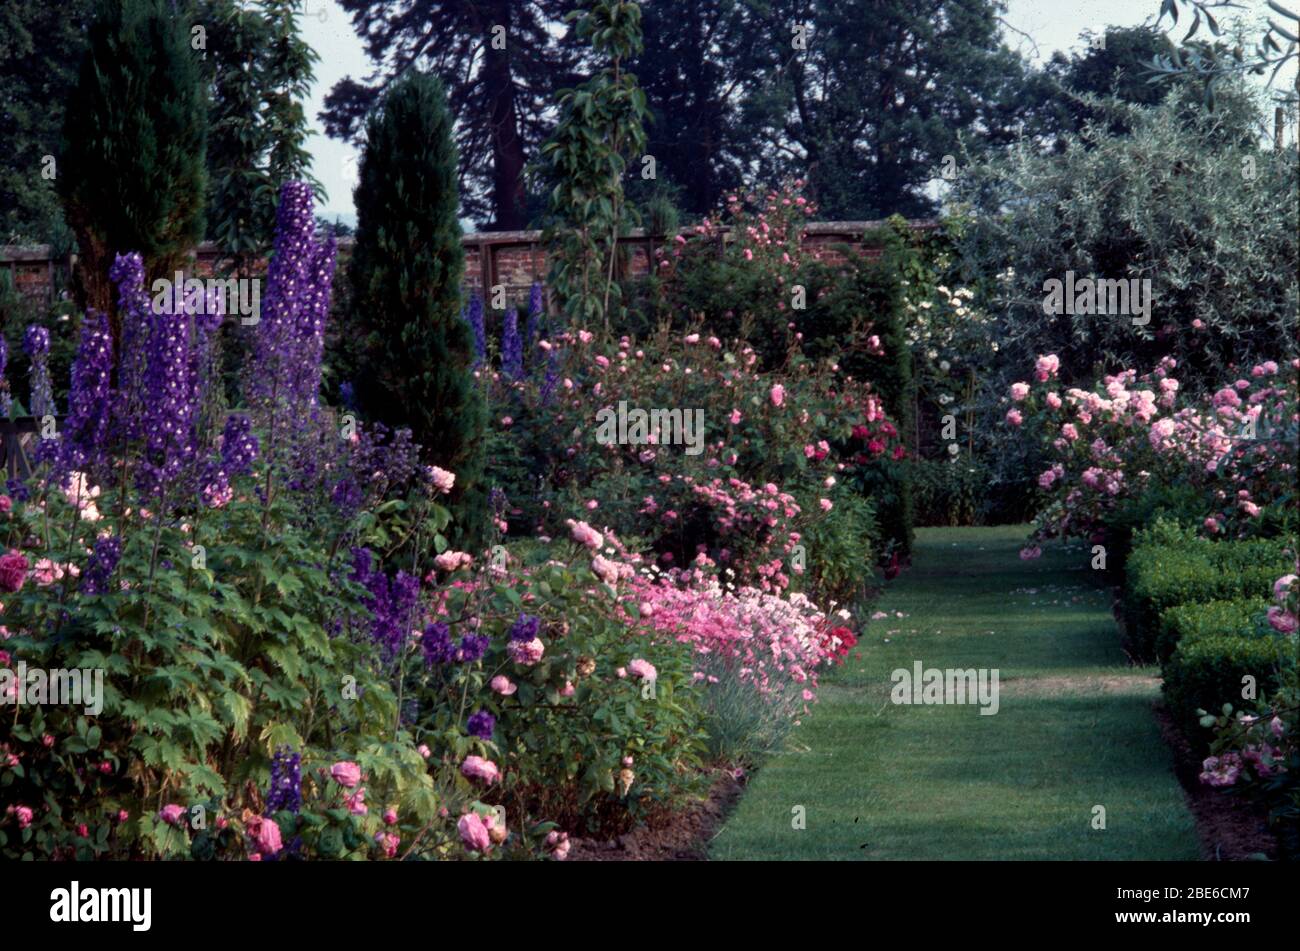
(442, 479)
(502, 684)
(735, 417)
(642, 669)
(1019, 391)
(346, 773)
(483, 770)
(1014, 417)
(826, 504)
(1046, 367)
(453, 560)
(777, 394)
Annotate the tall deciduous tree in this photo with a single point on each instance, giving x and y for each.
(406, 272)
(132, 174)
(499, 60)
(869, 96)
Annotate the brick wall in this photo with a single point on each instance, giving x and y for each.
(516, 259)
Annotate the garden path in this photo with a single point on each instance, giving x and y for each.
(1074, 728)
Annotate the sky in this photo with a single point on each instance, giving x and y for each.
(1050, 25)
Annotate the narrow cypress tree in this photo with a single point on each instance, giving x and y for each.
(406, 272)
(132, 174)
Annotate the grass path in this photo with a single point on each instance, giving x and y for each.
(1074, 729)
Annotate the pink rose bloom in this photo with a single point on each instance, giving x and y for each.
(826, 504)
(568, 690)
(557, 843)
(442, 479)
(621, 673)
(6, 504)
(423, 750)
(502, 684)
(1070, 432)
(474, 832)
(1046, 367)
(484, 770)
(1211, 524)
(1046, 479)
(453, 560)
(777, 394)
(1281, 586)
(735, 417)
(13, 571)
(526, 653)
(1282, 621)
(1014, 417)
(390, 817)
(388, 842)
(346, 773)
(584, 534)
(172, 814)
(268, 837)
(1054, 400)
(605, 570)
(24, 814)
(356, 803)
(1019, 391)
(643, 669)
(46, 572)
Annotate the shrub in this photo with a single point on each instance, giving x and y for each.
(1169, 567)
(1212, 618)
(1205, 673)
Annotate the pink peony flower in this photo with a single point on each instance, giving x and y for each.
(346, 773)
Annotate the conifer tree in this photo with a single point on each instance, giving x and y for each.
(406, 272)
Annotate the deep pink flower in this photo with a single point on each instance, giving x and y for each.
(346, 773)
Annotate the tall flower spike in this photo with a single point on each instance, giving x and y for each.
(90, 397)
(36, 341)
(512, 348)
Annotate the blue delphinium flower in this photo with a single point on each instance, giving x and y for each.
(475, 318)
(437, 645)
(512, 347)
(285, 793)
(36, 341)
(525, 628)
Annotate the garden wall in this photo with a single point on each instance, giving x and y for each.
(514, 258)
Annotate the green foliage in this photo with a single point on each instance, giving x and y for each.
(40, 46)
(405, 276)
(1181, 622)
(1170, 566)
(1207, 671)
(599, 129)
(842, 542)
(1187, 199)
(132, 174)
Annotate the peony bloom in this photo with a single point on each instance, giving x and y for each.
(484, 770)
(777, 395)
(346, 773)
(474, 832)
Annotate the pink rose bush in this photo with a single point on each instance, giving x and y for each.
(1108, 444)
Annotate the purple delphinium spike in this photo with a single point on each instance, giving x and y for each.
(533, 329)
(512, 347)
(480, 333)
(5, 398)
(133, 308)
(89, 398)
(285, 792)
(36, 341)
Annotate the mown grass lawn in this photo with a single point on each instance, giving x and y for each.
(1074, 729)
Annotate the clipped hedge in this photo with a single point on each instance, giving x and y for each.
(1206, 671)
(1169, 567)
(1188, 622)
